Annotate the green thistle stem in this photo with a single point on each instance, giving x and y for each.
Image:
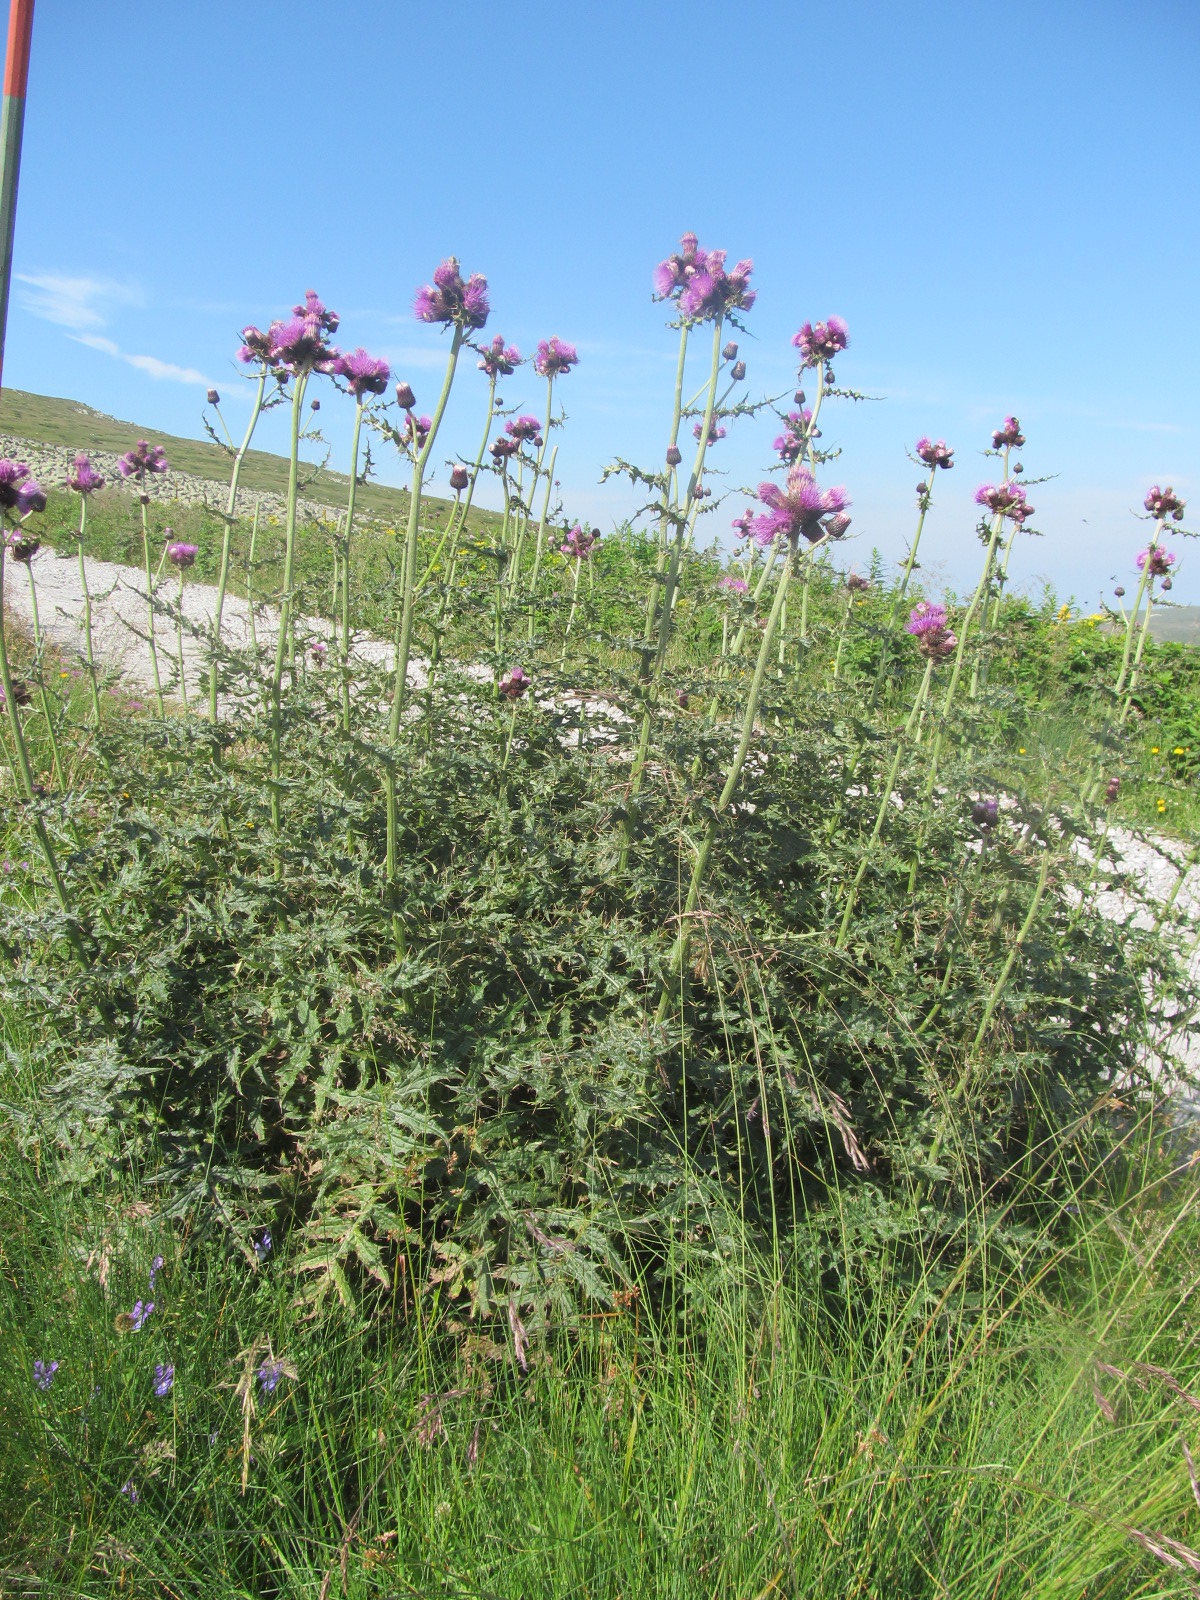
(345, 640)
(87, 612)
(227, 541)
(162, 711)
(285, 610)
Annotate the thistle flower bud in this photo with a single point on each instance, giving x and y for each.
(799, 397)
(314, 405)
(922, 488)
(674, 455)
(985, 813)
(1018, 467)
(1165, 585)
(829, 378)
(459, 479)
(738, 372)
(1119, 591)
(405, 397)
(214, 399)
(730, 352)
(1112, 789)
(513, 684)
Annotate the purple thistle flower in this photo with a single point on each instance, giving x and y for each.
(1112, 789)
(155, 1269)
(498, 359)
(711, 292)
(318, 650)
(819, 342)
(364, 374)
(674, 455)
(1005, 499)
(734, 585)
(504, 447)
(182, 555)
(301, 342)
(85, 479)
(23, 546)
(790, 444)
(213, 398)
(927, 624)
(525, 427)
(43, 1373)
(674, 274)
(459, 478)
(797, 509)
(856, 583)
(143, 459)
(451, 299)
(1009, 436)
(405, 396)
(715, 432)
(554, 356)
(985, 813)
(935, 455)
(1157, 561)
(264, 1246)
(18, 492)
(580, 543)
(164, 1377)
(743, 526)
(513, 684)
(1164, 503)
(419, 429)
(257, 345)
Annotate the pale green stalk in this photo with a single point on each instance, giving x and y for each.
(227, 542)
(350, 497)
(837, 659)
(250, 584)
(540, 548)
(664, 520)
(571, 618)
(56, 767)
(443, 607)
(150, 605)
(285, 609)
(404, 641)
(964, 630)
(1143, 636)
(179, 643)
(26, 774)
(680, 947)
(87, 611)
(911, 562)
(884, 801)
(977, 666)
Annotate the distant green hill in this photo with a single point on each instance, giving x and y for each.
(46, 419)
(1179, 624)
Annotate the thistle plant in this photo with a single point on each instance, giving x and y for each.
(181, 556)
(1163, 506)
(554, 359)
(932, 454)
(144, 461)
(579, 546)
(85, 480)
(366, 377)
(24, 546)
(462, 305)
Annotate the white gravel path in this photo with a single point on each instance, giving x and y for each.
(119, 633)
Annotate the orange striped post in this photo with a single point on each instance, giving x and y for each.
(12, 124)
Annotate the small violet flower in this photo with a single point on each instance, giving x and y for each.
(985, 813)
(790, 444)
(130, 1493)
(155, 1268)
(819, 342)
(84, 478)
(270, 1373)
(43, 1373)
(450, 298)
(133, 1321)
(554, 356)
(164, 1378)
(734, 585)
(264, 1246)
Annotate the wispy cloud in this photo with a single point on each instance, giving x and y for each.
(81, 304)
(74, 301)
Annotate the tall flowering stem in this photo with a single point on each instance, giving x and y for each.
(227, 541)
(285, 610)
(137, 464)
(24, 549)
(85, 480)
(458, 523)
(365, 376)
(932, 455)
(26, 774)
(679, 948)
(1164, 505)
(405, 627)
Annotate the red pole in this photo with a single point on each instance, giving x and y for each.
(12, 124)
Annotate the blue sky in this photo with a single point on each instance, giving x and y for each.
(1001, 200)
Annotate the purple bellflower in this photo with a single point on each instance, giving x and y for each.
(450, 298)
(819, 342)
(364, 374)
(164, 1377)
(43, 1373)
